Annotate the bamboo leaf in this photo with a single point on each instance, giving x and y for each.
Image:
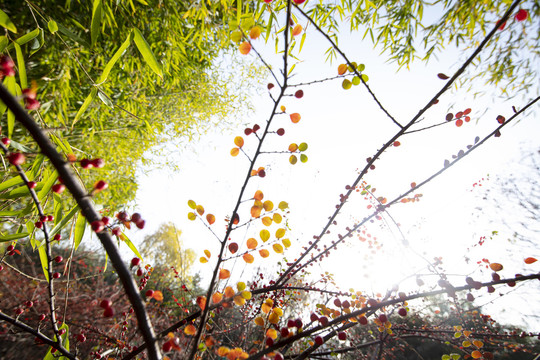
(43, 259)
(80, 227)
(96, 21)
(115, 58)
(47, 185)
(131, 245)
(62, 223)
(146, 52)
(3, 43)
(20, 66)
(11, 182)
(85, 105)
(27, 37)
(6, 22)
(53, 26)
(11, 237)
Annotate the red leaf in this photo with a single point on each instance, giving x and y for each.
(530, 260)
(443, 76)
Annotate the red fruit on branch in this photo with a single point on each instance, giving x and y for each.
(101, 185)
(109, 312)
(319, 340)
(299, 94)
(522, 15)
(149, 293)
(97, 226)
(6, 141)
(135, 261)
(136, 217)
(58, 188)
(16, 159)
(280, 132)
(98, 163)
(85, 163)
(402, 312)
(58, 259)
(105, 303)
(342, 336)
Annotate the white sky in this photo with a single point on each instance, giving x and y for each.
(342, 129)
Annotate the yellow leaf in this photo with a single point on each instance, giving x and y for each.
(278, 311)
(265, 308)
(200, 210)
(191, 216)
(283, 205)
(192, 204)
(268, 205)
(295, 117)
(251, 243)
(239, 300)
(241, 286)
(267, 221)
(280, 233)
(224, 274)
(466, 343)
(271, 333)
(248, 258)
(283, 108)
(269, 302)
(255, 211)
(277, 218)
(259, 321)
(235, 151)
(342, 69)
(296, 30)
(273, 318)
(265, 235)
(278, 248)
(255, 32)
(245, 48)
(246, 294)
(239, 141)
(203, 260)
(207, 253)
(217, 297)
(264, 253)
(286, 242)
(158, 295)
(190, 330)
(236, 36)
(223, 351)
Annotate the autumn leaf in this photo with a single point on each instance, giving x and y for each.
(239, 141)
(245, 48)
(217, 297)
(248, 258)
(239, 300)
(200, 210)
(201, 302)
(264, 253)
(342, 69)
(496, 267)
(296, 30)
(210, 218)
(278, 248)
(207, 253)
(268, 205)
(235, 151)
(203, 260)
(259, 321)
(190, 330)
(158, 295)
(443, 76)
(255, 32)
(258, 195)
(267, 221)
(530, 260)
(229, 292)
(265, 235)
(295, 117)
(224, 274)
(192, 204)
(251, 243)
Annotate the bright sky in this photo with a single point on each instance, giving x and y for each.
(342, 129)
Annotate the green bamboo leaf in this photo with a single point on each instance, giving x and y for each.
(85, 105)
(26, 38)
(70, 34)
(17, 193)
(131, 245)
(3, 43)
(11, 237)
(11, 182)
(8, 213)
(115, 58)
(11, 85)
(20, 66)
(53, 26)
(62, 223)
(48, 182)
(58, 208)
(36, 167)
(37, 43)
(146, 52)
(6, 22)
(96, 21)
(65, 343)
(43, 259)
(80, 226)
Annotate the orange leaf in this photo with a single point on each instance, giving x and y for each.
(496, 266)
(342, 69)
(530, 260)
(267, 221)
(235, 151)
(248, 258)
(258, 195)
(297, 30)
(190, 330)
(293, 147)
(201, 302)
(223, 351)
(255, 211)
(224, 274)
(207, 253)
(476, 354)
(210, 218)
(268, 205)
(217, 297)
(245, 48)
(264, 253)
(271, 333)
(239, 141)
(229, 292)
(259, 321)
(239, 300)
(158, 295)
(478, 343)
(251, 243)
(255, 32)
(273, 318)
(295, 117)
(200, 209)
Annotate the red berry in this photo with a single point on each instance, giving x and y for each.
(1, 267)
(383, 318)
(269, 341)
(342, 336)
(32, 184)
(284, 332)
(50, 218)
(140, 224)
(262, 173)
(97, 226)
(319, 340)
(149, 293)
(298, 2)
(29, 93)
(122, 216)
(105, 303)
(57, 237)
(313, 317)
(6, 141)
(135, 261)
(270, 86)
(522, 15)
(402, 312)
(281, 132)
(42, 317)
(85, 163)
(105, 220)
(363, 320)
(58, 188)
(10, 248)
(58, 259)
(61, 331)
(167, 346)
(109, 312)
(7, 65)
(38, 224)
(101, 185)
(43, 218)
(490, 289)
(81, 338)
(56, 275)
(298, 323)
(278, 356)
(291, 323)
(139, 272)
(16, 158)
(116, 231)
(31, 104)
(29, 304)
(98, 163)
(299, 94)
(323, 320)
(256, 127)
(136, 217)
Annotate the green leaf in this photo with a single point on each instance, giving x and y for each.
(58, 208)
(6, 22)
(3, 43)
(11, 85)
(11, 182)
(146, 52)
(11, 237)
(303, 146)
(70, 34)
(43, 259)
(115, 58)
(62, 223)
(65, 343)
(303, 158)
(27, 37)
(37, 43)
(47, 185)
(131, 245)
(53, 26)
(8, 213)
(20, 66)
(105, 99)
(96, 21)
(85, 105)
(80, 226)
